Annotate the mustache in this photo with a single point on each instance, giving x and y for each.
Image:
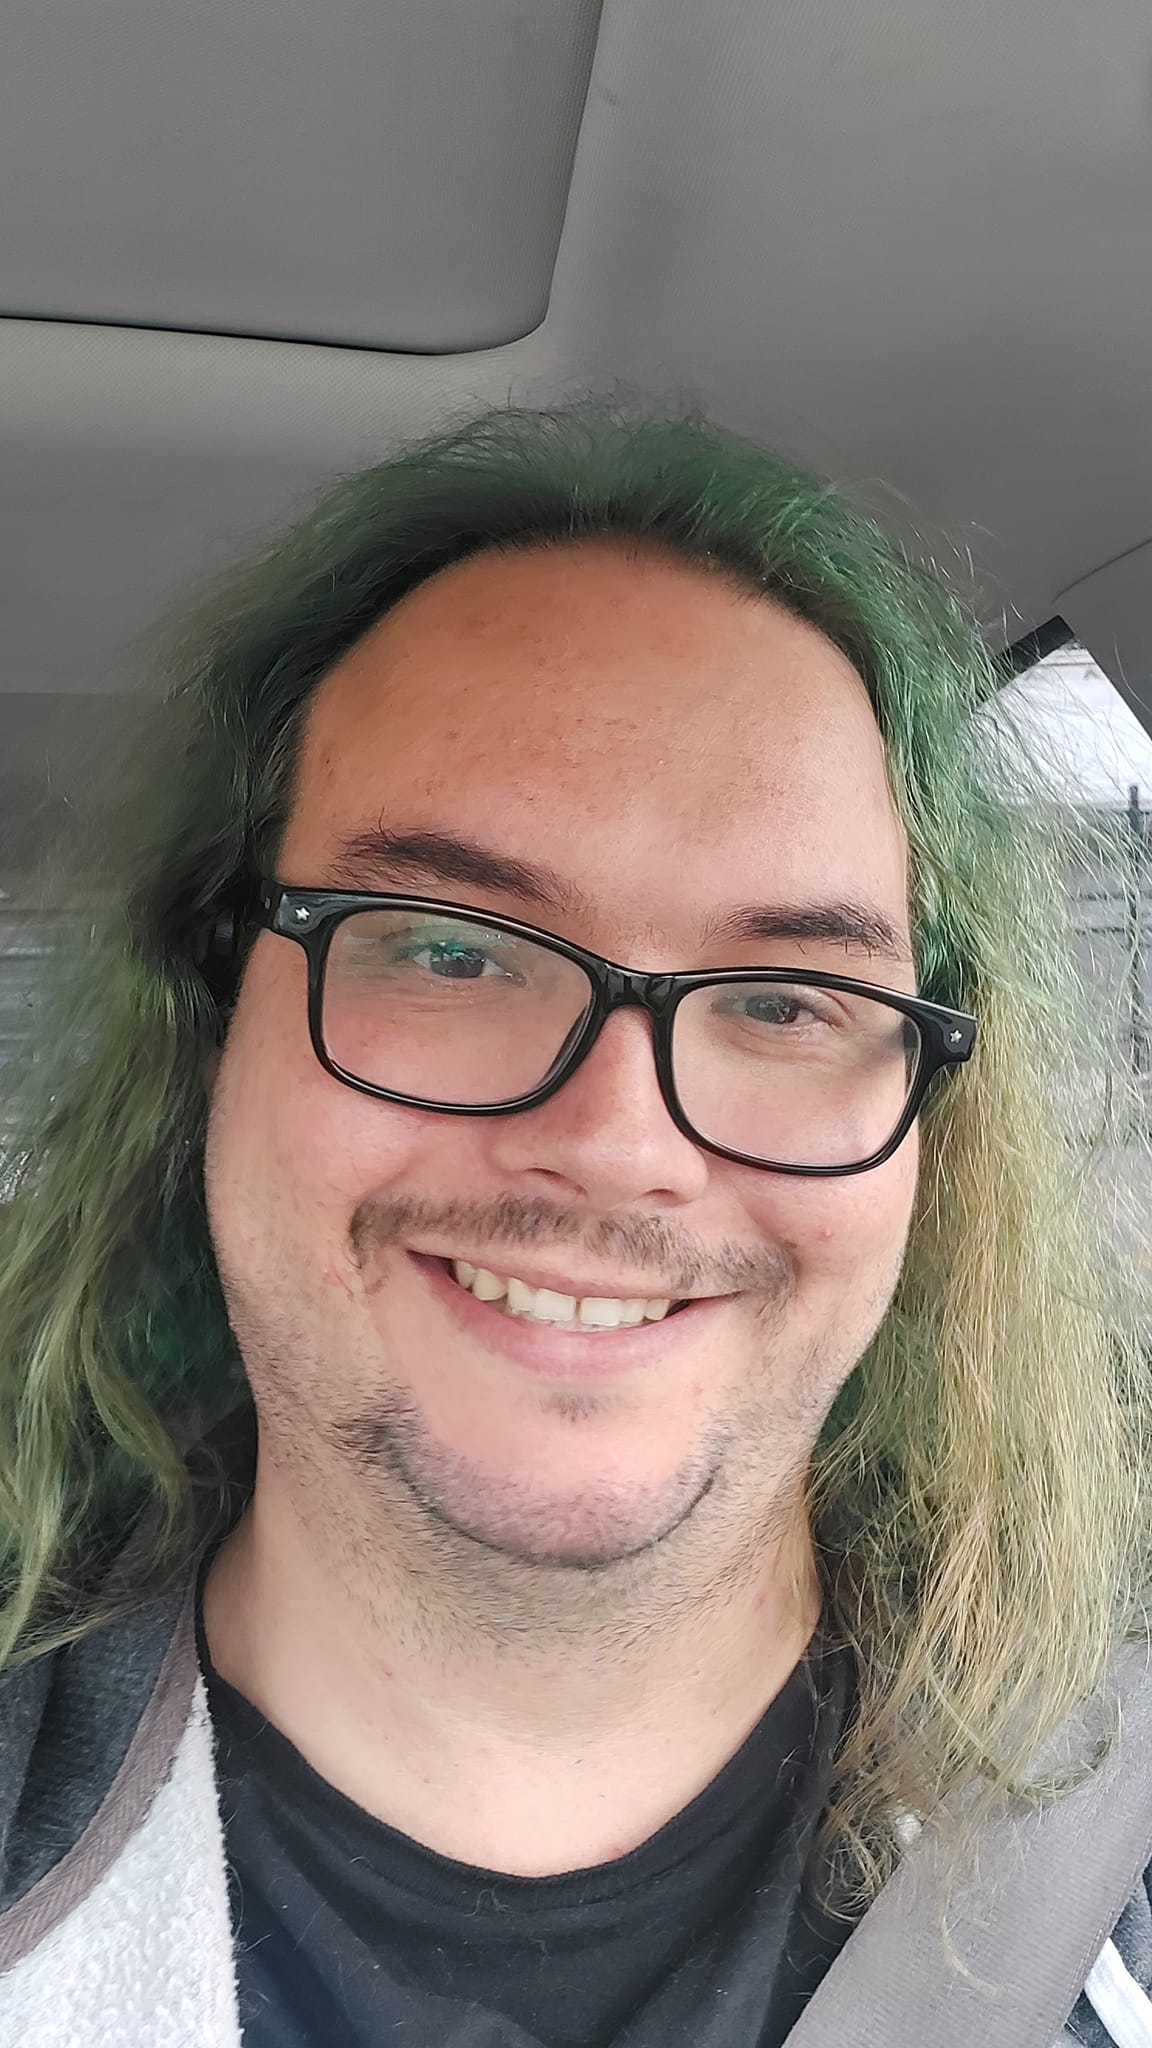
(684, 1264)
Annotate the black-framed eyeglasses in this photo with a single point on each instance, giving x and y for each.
(444, 1008)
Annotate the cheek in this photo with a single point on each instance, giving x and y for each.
(848, 1232)
(290, 1151)
(293, 1155)
(316, 1154)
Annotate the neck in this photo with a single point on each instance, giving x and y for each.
(462, 1721)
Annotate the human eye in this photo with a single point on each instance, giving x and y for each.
(778, 1009)
(454, 953)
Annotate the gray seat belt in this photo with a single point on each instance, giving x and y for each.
(1048, 1890)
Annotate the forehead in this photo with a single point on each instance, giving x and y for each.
(614, 710)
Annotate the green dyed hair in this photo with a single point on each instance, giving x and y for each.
(977, 1492)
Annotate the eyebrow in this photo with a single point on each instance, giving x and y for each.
(855, 926)
(376, 855)
(442, 857)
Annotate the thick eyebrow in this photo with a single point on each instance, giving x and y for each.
(856, 926)
(367, 857)
(376, 855)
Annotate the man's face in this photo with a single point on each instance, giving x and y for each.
(667, 749)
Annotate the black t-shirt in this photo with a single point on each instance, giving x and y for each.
(349, 1933)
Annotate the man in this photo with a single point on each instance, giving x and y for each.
(658, 1464)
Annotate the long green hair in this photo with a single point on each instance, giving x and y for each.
(977, 1493)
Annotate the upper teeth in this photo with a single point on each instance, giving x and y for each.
(593, 1312)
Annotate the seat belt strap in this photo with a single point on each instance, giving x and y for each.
(1027, 1927)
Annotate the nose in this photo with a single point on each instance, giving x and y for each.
(606, 1136)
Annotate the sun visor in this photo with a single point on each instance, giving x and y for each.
(392, 178)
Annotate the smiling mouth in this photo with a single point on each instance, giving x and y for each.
(584, 1315)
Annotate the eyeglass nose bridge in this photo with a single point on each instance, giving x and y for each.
(630, 988)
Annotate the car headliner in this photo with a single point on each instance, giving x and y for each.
(245, 250)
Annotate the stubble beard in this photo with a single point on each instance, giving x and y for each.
(430, 1543)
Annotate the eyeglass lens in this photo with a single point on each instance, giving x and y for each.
(459, 1012)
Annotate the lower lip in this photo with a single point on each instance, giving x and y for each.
(557, 1354)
